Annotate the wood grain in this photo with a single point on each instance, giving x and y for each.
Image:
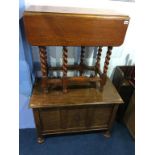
(44, 67)
(77, 96)
(82, 109)
(70, 118)
(71, 29)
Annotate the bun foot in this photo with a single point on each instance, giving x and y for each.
(107, 134)
(40, 140)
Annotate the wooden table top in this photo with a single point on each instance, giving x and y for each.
(80, 96)
(66, 26)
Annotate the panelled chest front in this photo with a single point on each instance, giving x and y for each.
(78, 110)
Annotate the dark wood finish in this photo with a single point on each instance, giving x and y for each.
(123, 80)
(64, 79)
(81, 67)
(103, 75)
(82, 60)
(52, 26)
(107, 59)
(99, 57)
(75, 97)
(74, 29)
(81, 109)
(98, 70)
(38, 124)
(113, 115)
(73, 118)
(72, 67)
(74, 80)
(129, 116)
(43, 61)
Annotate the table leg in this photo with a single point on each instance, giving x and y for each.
(107, 133)
(43, 60)
(98, 59)
(82, 59)
(36, 114)
(107, 59)
(64, 79)
(106, 64)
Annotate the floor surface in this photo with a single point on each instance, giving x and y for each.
(120, 143)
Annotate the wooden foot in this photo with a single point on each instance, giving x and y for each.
(40, 140)
(107, 134)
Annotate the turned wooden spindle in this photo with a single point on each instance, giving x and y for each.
(43, 60)
(98, 59)
(82, 54)
(65, 54)
(106, 63)
(82, 59)
(107, 59)
(99, 56)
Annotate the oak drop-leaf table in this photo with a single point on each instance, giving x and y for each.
(67, 26)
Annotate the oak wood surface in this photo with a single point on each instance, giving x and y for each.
(129, 116)
(74, 29)
(70, 119)
(75, 118)
(79, 110)
(38, 125)
(80, 96)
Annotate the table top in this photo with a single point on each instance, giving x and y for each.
(65, 26)
(75, 96)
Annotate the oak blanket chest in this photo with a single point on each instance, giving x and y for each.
(81, 109)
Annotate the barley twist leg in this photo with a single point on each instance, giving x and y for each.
(65, 54)
(98, 59)
(82, 59)
(43, 60)
(106, 64)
